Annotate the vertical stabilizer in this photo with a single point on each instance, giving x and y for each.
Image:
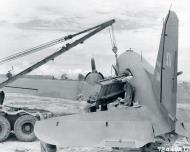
(165, 74)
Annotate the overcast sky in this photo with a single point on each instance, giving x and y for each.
(27, 23)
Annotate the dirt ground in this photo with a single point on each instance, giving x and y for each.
(12, 145)
(57, 106)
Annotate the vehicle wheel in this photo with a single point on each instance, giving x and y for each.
(104, 107)
(150, 147)
(5, 128)
(24, 128)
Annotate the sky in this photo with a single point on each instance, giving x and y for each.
(28, 23)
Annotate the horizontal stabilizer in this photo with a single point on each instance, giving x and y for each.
(100, 128)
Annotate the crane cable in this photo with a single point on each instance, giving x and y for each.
(45, 45)
(31, 50)
(113, 40)
(114, 49)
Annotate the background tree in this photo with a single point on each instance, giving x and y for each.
(80, 77)
(64, 76)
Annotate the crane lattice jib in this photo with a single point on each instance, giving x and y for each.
(92, 32)
(48, 44)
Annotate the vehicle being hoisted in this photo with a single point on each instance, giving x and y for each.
(147, 125)
(21, 121)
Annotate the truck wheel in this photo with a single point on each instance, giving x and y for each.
(24, 128)
(5, 128)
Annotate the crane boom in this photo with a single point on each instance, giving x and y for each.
(44, 45)
(94, 29)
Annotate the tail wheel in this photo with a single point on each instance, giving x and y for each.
(5, 128)
(151, 147)
(47, 147)
(24, 128)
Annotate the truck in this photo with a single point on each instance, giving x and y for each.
(20, 121)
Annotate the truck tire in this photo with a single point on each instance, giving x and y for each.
(24, 128)
(5, 128)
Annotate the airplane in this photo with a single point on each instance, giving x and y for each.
(131, 127)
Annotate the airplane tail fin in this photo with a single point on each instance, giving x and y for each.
(165, 74)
